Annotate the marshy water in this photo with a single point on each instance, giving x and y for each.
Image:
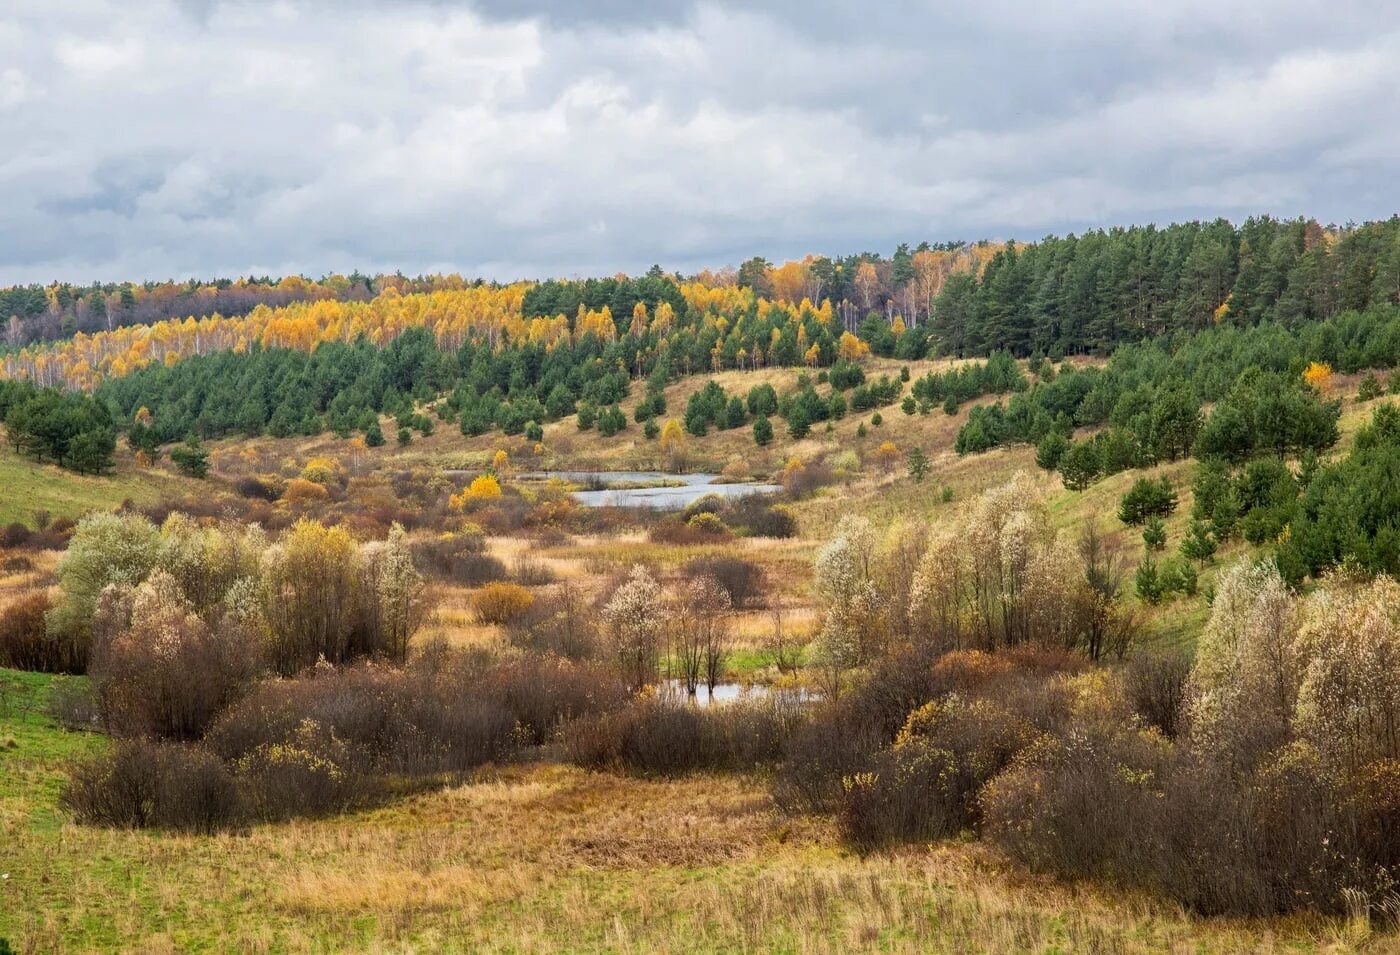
(654, 489)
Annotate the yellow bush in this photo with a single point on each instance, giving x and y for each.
(321, 470)
(501, 602)
(484, 487)
(708, 523)
(300, 490)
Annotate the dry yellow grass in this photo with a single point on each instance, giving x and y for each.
(552, 859)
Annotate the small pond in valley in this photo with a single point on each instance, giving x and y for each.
(654, 489)
(735, 693)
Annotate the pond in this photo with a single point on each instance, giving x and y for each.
(735, 693)
(654, 489)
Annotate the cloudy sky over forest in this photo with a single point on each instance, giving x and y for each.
(158, 138)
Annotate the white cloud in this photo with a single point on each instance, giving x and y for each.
(147, 140)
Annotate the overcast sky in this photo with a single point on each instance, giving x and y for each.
(147, 139)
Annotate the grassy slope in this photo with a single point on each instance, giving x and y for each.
(537, 859)
(26, 487)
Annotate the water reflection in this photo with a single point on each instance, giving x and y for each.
(736, 693)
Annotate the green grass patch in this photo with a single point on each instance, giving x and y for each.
(31, 487)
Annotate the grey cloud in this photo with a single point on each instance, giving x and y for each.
(154, 139)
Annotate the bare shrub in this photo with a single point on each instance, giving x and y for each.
(1156, 687)
(659, 737)
(330, 740)
(460, 558)
(559, 622)
(145, 784)
(16, 564)
(25, 643)
(700, 632)
(802, 479)
(742, 580)
(1073, 806)
(531, 571)
(73, 705)
(926, 785)
(544, 692)
(786, 650)
(758, 516)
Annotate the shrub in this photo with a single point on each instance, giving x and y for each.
(705, 504)
(143, 784)
(165, 673)
(460, 558)
(776, 521)
(666, 738)
(500, 603)
(14, 535)
(1155, 685)
(632, 616)
(557, 623)
(256, 488)
(741, 580)
(25, 643)
(673, 530)
(531, 571)
(926, 785)
(708, 525)
(106, 549)
(302, 491)
(484, 488)
(307, 772)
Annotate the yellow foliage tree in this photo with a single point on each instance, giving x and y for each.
(1319, 375)
(852, 348)
(673, 444)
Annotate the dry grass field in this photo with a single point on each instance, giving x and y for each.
(547, 858)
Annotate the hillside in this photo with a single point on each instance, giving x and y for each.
(994, 667)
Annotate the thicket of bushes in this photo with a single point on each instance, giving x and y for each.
(1261, 780)
(312, 594)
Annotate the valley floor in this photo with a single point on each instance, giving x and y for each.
(543, 858)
